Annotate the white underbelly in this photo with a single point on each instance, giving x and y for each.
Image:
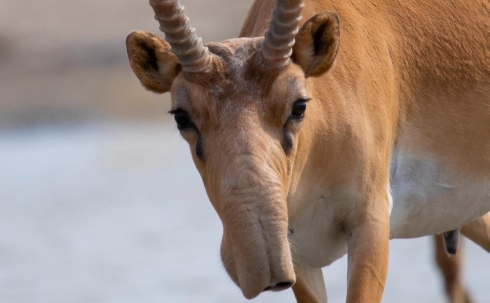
(429, 198)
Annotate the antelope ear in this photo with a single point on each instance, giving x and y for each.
(317, 44)
(152, 61)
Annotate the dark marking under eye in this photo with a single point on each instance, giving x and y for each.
(287, 142)
(200, 148)
(152, 60)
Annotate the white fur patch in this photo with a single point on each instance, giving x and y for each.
(431, 198)
(390, 197)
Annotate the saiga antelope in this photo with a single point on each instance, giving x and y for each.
(369, 122)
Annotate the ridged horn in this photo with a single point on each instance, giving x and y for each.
(186, 45)
(277, 46)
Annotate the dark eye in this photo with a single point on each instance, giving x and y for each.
(182, 119)
(299, 108)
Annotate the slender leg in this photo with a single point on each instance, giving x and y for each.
(368, 263)
(478, 231)
(450, 268)
(310, 286)
(368, 228)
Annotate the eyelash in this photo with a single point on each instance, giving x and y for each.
(300, 112)
(182, 119)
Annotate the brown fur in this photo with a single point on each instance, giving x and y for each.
(317, 44)
(263, 78)
(152, 61)
(450, 268)
(406, 75)
(309, 286)
(478, 231)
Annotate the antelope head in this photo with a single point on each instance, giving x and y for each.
(241, 104)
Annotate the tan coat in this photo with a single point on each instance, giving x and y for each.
(394, 143)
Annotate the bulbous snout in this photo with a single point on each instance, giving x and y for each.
(280, 286)
(256, 253)
(255, 270)
(248, 188)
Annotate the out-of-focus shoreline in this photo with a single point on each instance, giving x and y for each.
(66, 61)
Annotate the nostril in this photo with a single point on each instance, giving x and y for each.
(282, 286)
(279, 286)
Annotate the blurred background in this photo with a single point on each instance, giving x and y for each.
(99, 198)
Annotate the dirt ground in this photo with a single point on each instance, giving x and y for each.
(65, 61)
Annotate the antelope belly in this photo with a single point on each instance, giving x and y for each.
(429, 198)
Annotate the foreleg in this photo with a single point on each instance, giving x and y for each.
(368, 250)
(310, 286)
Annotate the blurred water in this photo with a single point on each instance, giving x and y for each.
(117, 213)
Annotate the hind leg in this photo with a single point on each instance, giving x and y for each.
(450, 268)
(478, 231)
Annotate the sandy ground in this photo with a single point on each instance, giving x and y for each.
(116, 213)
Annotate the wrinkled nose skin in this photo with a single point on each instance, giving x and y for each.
(255, 250)
(254, 272)
(246, 182)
